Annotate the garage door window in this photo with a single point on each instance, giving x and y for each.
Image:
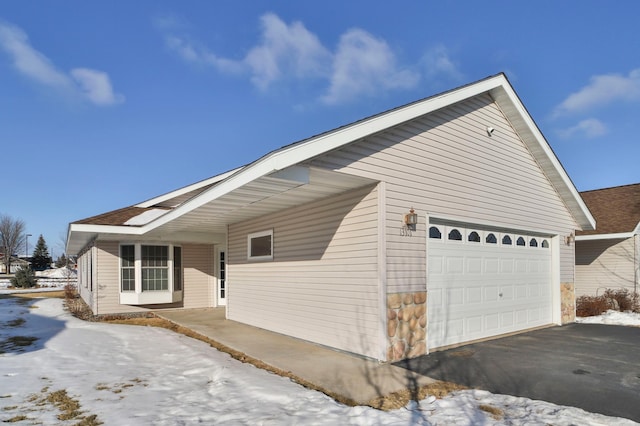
(455, 235)
(533, 243)
(520, 242)
(474, 237)
(434, 232)
(545, 244)
(491, 239)
(506, 240)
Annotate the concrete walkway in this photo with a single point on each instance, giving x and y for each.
(335, 373)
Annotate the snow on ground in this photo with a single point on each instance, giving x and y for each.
(48, 280)
(133, 375)
(613, 318)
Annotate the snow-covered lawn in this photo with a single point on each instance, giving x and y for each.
(133, 375)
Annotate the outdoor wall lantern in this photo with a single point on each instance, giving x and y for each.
(411, 218)
(569, 239)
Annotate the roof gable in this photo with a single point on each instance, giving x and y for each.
(617, 209)
(279, 163)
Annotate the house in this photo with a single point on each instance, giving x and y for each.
(609, 256)
(14, 266)
(437, 223)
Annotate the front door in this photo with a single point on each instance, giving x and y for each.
(222, 278)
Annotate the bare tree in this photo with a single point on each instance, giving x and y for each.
(12, 234)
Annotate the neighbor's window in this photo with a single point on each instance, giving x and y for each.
(127, 262)
(260, 245)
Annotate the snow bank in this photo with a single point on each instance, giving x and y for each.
(613, 318)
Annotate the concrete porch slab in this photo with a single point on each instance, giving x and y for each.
(335, 373)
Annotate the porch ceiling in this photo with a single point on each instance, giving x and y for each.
(207, 223)
(259, 197)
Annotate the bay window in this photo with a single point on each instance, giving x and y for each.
(150, 274)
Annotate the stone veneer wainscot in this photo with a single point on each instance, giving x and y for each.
(406, 325)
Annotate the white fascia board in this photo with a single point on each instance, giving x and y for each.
(106, 229)
(186, 189)
(539, 138)
(620, 235)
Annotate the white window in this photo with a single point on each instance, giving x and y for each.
(260, 245)
(150, 269)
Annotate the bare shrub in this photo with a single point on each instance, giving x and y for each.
(70, 291)
(588, 306)
(75, 305)
(623, 299)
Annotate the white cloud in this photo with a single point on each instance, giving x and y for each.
(438, 62)
(197, 54)
(96, 86)
(29, 61)
(363, 65)
(286, 49)
(589, 128)
(92, 85)
(602, 90)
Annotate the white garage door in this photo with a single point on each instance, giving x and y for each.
(483, 282)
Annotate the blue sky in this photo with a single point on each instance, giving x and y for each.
(106, 104)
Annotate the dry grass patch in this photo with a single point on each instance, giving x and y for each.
(16, 322)
(16, 343)
(40, 295)
(494, 412)
(119, 387)
(16, 419)
(400, 399)
(69, 407)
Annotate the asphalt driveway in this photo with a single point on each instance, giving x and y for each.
(590, 366)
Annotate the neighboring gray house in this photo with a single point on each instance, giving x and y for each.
(608, 257)
(440, 222)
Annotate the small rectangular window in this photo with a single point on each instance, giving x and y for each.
(260, 245)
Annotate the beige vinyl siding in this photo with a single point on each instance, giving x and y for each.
(86, 283)
(322, 283)
(197, 261)
(603, 264)
(444, 164)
